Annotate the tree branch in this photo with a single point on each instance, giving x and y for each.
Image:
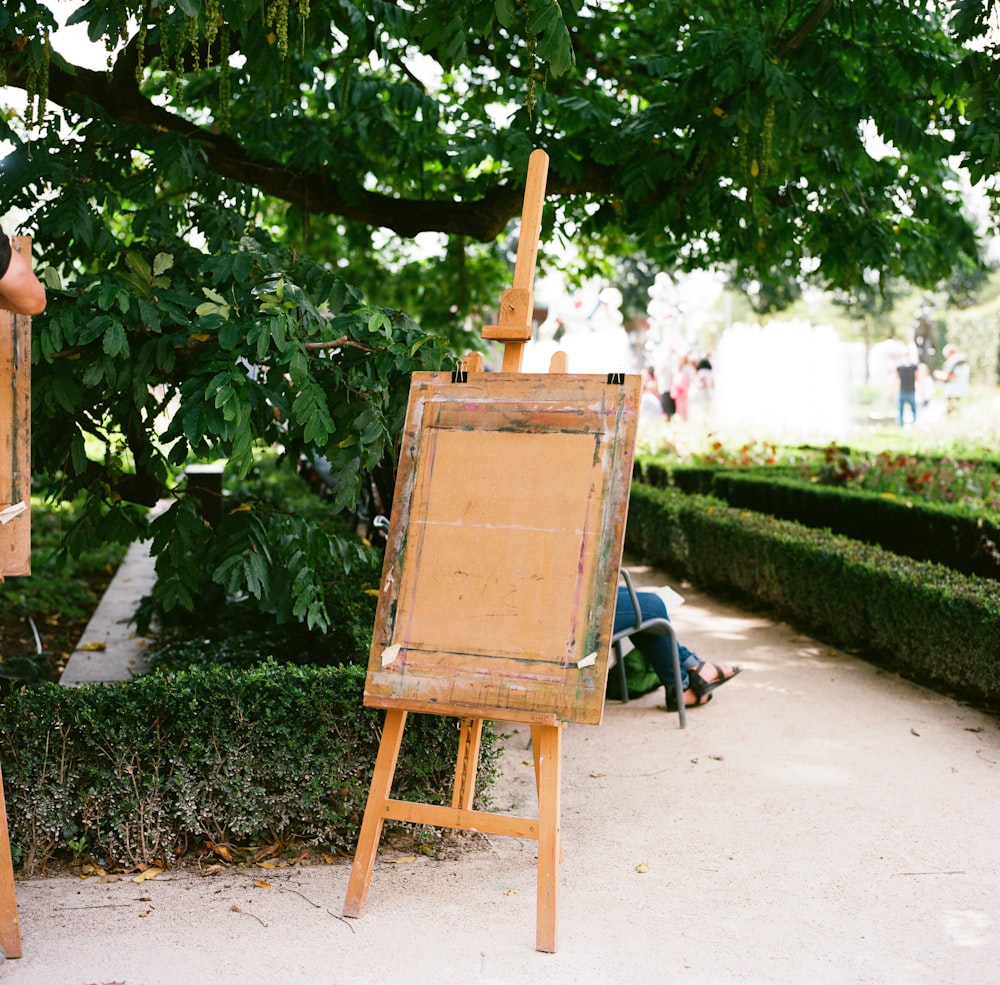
(482, 219)
(809, 24)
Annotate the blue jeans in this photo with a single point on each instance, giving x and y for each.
(656, 649)
(907, 399)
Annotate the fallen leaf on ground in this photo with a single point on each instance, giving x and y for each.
(269, 851)
(402, 858)
(151, 873)
(94, 646)
(642, 867)
(261, 884)
(221, 850)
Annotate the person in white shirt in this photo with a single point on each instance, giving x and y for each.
(955, 376)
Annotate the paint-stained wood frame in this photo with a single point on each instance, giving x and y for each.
(15, 533)
(498, 588)
(15, 437)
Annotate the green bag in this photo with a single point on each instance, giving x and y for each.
(640, 676)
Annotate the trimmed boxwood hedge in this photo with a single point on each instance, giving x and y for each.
(927, 531)
(954, 536)
(144, 771)
(933, 622)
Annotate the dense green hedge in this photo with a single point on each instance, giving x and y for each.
(926, 531)
(147, 770)
(936, 623)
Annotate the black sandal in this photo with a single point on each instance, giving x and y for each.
(700, 699)
(700, 686)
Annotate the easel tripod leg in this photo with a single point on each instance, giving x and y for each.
(371, 825)
(547, 742)
(10, 931)
(467, 766)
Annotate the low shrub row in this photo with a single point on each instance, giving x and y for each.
(957, 537)
(149, 770)
(930, 621)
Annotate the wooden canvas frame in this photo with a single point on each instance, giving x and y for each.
(498, 588)
(15, 534)
(15, 437)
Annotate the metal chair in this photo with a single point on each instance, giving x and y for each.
(659, 627)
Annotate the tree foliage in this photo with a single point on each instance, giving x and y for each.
(227, 208)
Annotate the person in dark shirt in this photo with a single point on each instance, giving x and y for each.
(907, 373)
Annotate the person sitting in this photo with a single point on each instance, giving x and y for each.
(699, 679)
(20, 290)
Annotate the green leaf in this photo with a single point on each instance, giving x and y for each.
(230, 335)
(504, 11)
(138, 264)
(115, 340)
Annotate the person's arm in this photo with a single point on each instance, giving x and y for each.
(20, 290)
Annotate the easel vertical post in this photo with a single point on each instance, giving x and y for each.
(518, 302)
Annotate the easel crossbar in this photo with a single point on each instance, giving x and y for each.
(461, 820)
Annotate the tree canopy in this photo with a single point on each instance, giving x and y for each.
(225, 212)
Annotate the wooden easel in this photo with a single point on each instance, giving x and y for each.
(15, 535)
(446, 690)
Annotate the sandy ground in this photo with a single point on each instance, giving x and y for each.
(820, 822)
